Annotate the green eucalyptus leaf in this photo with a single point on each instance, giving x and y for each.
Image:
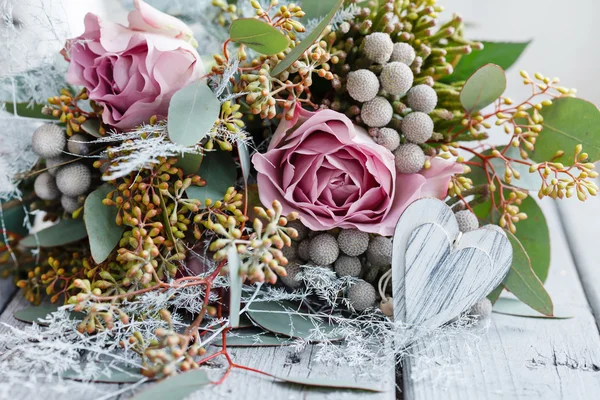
(220, 173)
(35, 313)
(527, 180)
(517, 308)
(103, 232)
(235, 287)
(259, 35)
(245, 163)
(193, 111)
(176, 387)
(503, 54)
(336, 384)
(282, 318)
(64, 232)
(189, 163)
(26, 110)
(253, 337)
(14, 218)
(114, 373)
(483, 88)
(316, 9)
(307, 42)
(92, 127)
(569, 121)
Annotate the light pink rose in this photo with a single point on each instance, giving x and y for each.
(133, 72)
(334, 175)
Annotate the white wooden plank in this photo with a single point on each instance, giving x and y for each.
(580, 221)
(519, 357)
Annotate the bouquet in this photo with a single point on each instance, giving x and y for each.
(189, 194)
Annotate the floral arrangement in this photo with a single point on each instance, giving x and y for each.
(272, 176)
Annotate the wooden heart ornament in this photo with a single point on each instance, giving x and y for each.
(438, 272)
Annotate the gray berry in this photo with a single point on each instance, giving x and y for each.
(301, 229)
(45, 187)
(74, 179)
(396, 78)
(362, 295)
(348, 266)
(378, 47)
(379, 252)
(292, 269)
(467, 221)
(404, 53)
(362, 85)
(388, 138)
(377, 112)
(290, 252)
(48, 141)
(409, 158)
(481, 309)
(70, 204)
(353, 242)
(78, 144)
(422, 98)
(417, 127)
(52, 162)
(323, 249)
(304, 250)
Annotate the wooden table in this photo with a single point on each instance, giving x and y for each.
(518, 358)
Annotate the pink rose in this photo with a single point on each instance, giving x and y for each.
(334, 175)
(133, 72)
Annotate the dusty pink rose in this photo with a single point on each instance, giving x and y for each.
(334, 175)
(133, 71)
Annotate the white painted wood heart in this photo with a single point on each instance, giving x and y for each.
(437, 272)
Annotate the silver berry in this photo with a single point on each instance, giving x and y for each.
(74, 179)
(496, 228)
(422, 98)
(481, 309)
(379, 252)
(78, 144)
(290, 280)
(388, 138)
(48, 141)
(378, 47)
(45, 187)
(404, 53)
(353, 242)
(467, 221)
(301, 229)
(51, 163)
(70, 204)
(323, 249)
(362, 85)
(377, 112)
(348, 266)
(304, 250)
(417, 127)
(362, 295)
(409, 158)
(396, 78)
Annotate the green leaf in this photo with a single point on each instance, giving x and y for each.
(330, 383)
(245, 163)
(283, 319)
(493, 297)
(235, 288)
(189, 162)
(176, 387)
(523, 283)
(35, 313)
(519, 309)
(25, 110)
(103, 231)
(220, 173)
(14, 217)
(114, 373)
(503, 54)
(92, 127)
(307, 42)
(193, 111)
(316, 9)
(483, 88)
(528, 180)
(253, 337)
(568, 122)
(258, 35)
(64, 232)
